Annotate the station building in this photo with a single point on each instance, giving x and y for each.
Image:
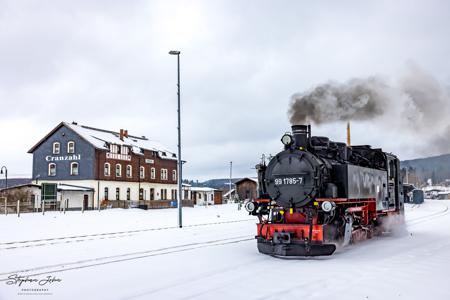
(102, 166)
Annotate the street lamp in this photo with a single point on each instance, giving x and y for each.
(179, 163)
(6, 175)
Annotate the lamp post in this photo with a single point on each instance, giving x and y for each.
(179, 164)
(6, 175)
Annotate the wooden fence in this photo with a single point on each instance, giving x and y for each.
(9, 206)
(145, 204)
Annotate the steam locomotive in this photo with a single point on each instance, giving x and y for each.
(317, 194)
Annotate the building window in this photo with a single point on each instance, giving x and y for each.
(153, 173)
(118, 170)
(142, 172)
(113, 149)
(51, 169)
(152, 194)
(56, 148)
(163, 194)
(124, 150)
(106, 193)
(71, 147)
(141, 194)
(107, 171)
(128, 194)
(163, 174)
(117, 193)
(74, 169)
(129, 171)
(174, 175)
(174, 194)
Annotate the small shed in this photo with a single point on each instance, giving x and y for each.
(218, 199)
(443, 195)
(29, 195)
(247, 188)
(76, 196)
(203, 195)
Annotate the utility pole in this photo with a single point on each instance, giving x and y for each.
(231, 174)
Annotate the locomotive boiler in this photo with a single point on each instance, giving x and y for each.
(317, 194)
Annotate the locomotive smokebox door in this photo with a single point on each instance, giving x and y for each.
(291, 178)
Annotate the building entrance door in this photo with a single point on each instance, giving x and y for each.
(85, 201)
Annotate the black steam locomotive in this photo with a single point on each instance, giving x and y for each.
(316, 194)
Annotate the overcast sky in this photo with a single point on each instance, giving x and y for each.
(106, 64)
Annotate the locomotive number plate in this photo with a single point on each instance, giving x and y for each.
(288, 180)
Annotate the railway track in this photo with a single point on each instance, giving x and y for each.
(445, 210)
(98, 236)
(119, 234)
(104, 260)
(98, 261)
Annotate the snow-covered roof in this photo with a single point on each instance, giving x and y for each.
(435, 188)
(74, 188)
(202, 189)
(18, 186)
(228, 192)
(247, 178)
(100, 138)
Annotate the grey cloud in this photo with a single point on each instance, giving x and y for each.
(105, 64)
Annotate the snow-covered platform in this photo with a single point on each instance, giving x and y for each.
(137, 254)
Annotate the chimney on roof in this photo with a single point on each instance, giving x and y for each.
(123, 133)
(74, 123)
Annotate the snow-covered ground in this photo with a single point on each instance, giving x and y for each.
(136, 254)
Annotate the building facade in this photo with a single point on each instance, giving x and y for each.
(115, 165)
(247, 188)
(206, 196)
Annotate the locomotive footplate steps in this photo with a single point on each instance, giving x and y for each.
(294, 249)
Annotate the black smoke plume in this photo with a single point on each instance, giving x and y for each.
(416, 105)
(358, 99)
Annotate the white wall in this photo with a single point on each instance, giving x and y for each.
(112, 185)
(75, 198)
(201, 200)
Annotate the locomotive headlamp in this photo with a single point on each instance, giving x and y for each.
(250, 206)
(286, 139)
(328, 206)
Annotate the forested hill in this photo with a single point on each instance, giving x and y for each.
(435, 167)
(14, 181)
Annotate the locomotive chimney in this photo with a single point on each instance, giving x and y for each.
(301, 135)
